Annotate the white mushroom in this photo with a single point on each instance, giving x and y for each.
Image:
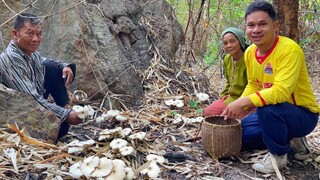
(198, 119)
(100, 119)
(127, 150)
(202, 96)
(81, 115)
(129, 174)
(169, 102)
(112, 113)
(179, 103)
(120, 117)
(76, 146)
(104, 168)
(152, 170)
(87, 142)
(125, 132)
(106, 133)
(75, 171)
(118, 170)
(118, 143)
(89, 110)
(89, 164)
(75, 149)
(77, 108)
(156, 158)
(138, 135)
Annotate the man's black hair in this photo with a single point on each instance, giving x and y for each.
(261, 5)
(25, 17)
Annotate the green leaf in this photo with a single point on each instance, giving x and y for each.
(173, 113)
(310, 16)
(199, 111)
(193, 104)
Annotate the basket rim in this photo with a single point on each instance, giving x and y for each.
(219, 125)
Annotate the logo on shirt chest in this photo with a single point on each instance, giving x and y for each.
(268, 69)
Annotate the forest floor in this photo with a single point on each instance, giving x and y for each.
(178, 142)
(181, 144)
(189, 160)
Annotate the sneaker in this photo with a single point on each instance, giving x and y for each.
(300, 148)
(265, 165)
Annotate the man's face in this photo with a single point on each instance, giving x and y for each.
(28, 37)
(260, 28)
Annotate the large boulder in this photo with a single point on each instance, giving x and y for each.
(109, 40)
(23, 110)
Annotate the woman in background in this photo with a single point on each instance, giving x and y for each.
(234, 43)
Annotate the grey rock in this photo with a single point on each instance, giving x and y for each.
(109, 40)
(23, 110)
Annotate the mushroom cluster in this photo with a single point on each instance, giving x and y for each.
(101, 168)
(118, 115)
(83, 111)
(111, 167)
(174, 102)
(114, 133)
(186, 120)
(120, 145)
(202, 97)
(153, 170)
(79, 146)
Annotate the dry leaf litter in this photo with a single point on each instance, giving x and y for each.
(159, 141)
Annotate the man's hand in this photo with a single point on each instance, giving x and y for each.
(73, 119)
(236, 108)
(68, 74)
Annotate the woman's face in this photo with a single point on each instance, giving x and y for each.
(231, 44)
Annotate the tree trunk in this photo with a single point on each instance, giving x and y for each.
(287, 12)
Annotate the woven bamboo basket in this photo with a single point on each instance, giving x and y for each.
(221, 138)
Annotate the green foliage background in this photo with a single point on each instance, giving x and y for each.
(227, 13)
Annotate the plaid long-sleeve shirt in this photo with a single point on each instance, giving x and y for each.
(26, 74)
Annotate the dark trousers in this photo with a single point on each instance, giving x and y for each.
(55, 85)
(273, 126)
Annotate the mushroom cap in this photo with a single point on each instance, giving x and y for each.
(100, 119)
(202, 96)
(127, 150)
(125, 132)
(118, 171)
(118, 143)
(152, 170)
(75, 171)
(77, 108)
(179, 103)
(129, 173)
(158, 159)
(89, 110)
(89, 164)
(121, 118)
(138, 135)
(75, 149)
(113, 113)
(169, 102)
(104, 169)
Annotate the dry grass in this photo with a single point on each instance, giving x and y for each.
(155, 118)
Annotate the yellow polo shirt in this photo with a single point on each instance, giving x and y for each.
(280, 76)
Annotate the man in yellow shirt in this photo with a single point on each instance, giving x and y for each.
(278, 86)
